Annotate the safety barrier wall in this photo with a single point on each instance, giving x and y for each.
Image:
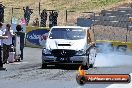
(36, 36)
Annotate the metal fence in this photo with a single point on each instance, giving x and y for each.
(114, 25)
(18, 13)
(72, 16)
(107, 25)
(7, 15)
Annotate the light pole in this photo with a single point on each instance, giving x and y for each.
(39, 8)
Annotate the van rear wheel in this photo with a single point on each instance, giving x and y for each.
(92, 56)
(85, 67)
(91, 65)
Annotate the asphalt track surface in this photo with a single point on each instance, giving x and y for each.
(28, 73)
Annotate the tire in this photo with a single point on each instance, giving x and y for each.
(44, 65)
(91, 66)
(85, 64)
(19, 60)
(122, 48)
(92, 55)
(57, 66)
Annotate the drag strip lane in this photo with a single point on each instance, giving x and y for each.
(30, 74)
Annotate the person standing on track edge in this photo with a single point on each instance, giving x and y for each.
(7, 42)
(50, 19)
(43, 18)
(1, 37)
(27, 14)
(55, 15)
(2, 13)
(22, 36)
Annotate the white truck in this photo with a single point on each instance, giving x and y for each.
(69, 45)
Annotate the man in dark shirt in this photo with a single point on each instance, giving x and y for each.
(27, 14)
(1, 37)
(22, 37)
(43, 18)
(2, 13)
(55, 15)
(50, 19)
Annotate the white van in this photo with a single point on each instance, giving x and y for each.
(69, 45)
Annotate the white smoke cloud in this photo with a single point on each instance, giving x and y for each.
(111, 58)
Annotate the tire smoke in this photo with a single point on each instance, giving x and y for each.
(108, 57)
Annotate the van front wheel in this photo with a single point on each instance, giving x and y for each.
(85, 64)
(44, 65)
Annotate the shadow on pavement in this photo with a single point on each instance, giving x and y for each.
(63, 67)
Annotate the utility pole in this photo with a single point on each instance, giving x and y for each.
(39, 8)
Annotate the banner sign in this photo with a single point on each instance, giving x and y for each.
(84, 22)
(37, 37)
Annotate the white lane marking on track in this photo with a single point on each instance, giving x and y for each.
(129, 85)
(19, 63)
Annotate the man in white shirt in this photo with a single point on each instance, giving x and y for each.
(1, 37)
(7, 43)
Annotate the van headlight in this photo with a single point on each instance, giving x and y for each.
(46, 51)
(81, 52)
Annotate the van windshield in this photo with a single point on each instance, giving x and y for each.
(67, 33)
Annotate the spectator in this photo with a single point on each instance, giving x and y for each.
(43, 18)
(2, 13)
(22, 36)
(7, 42)
(36, 22)
(1, 37)
(50, 19)
(55, 15)
(27, 14)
